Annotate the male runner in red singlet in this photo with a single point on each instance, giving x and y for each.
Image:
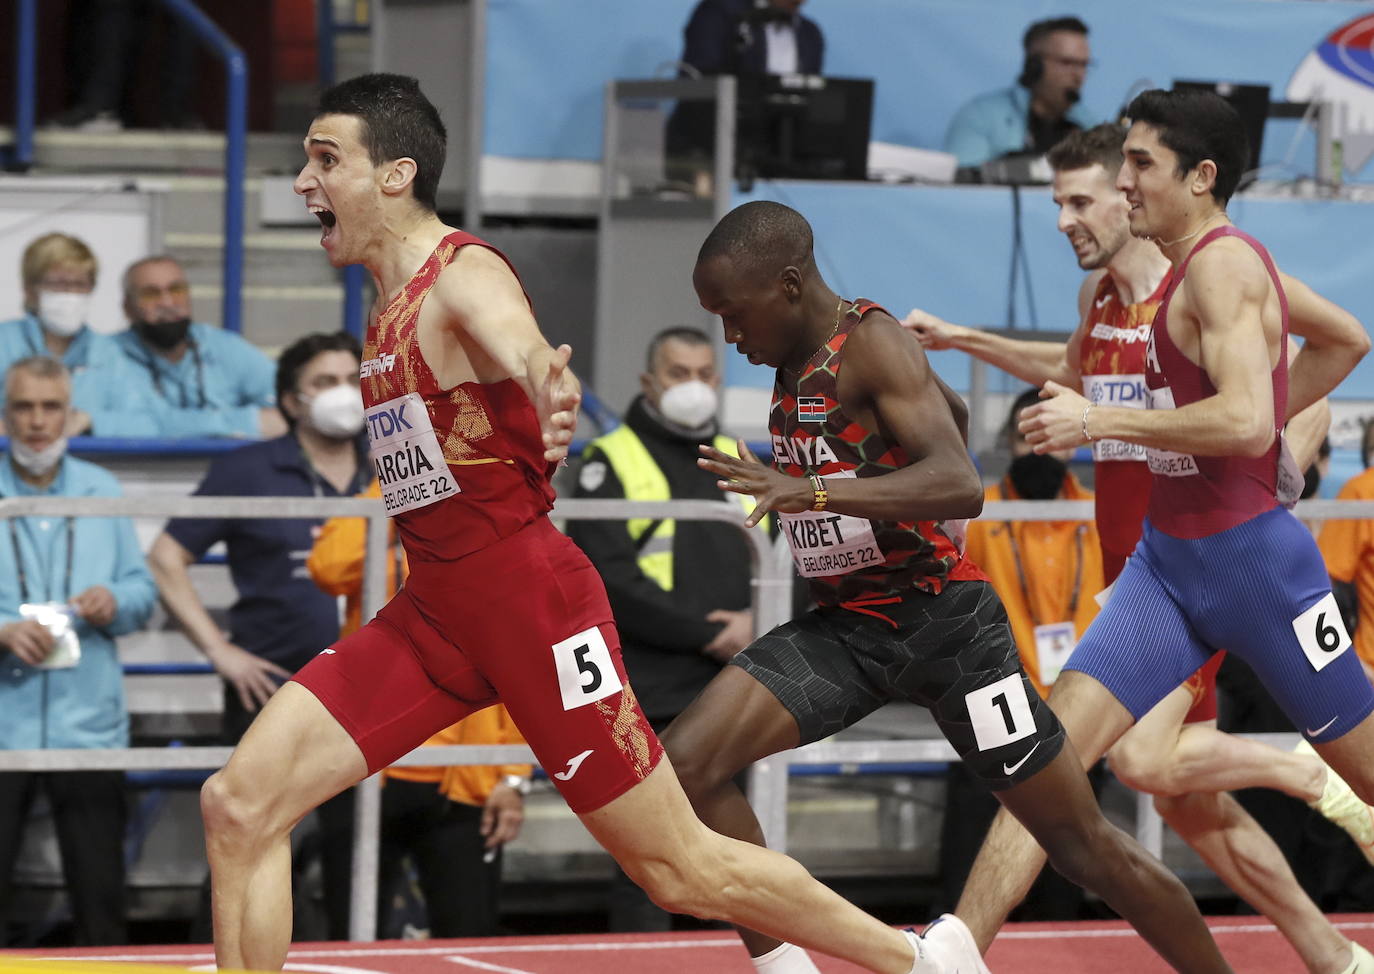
(468, 409)
(871, 477)
(1175, 752)
(1221, 561)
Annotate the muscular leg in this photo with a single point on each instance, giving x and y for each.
(1247, 860)
(295, 756)
(687, 868)
(1161, 755)
(1059, 810)
(708, 753)
(1189, 767)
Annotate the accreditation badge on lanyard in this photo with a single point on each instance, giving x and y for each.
(405, 453)
(1054, 642)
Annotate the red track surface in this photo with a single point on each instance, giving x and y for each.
(1250, 944)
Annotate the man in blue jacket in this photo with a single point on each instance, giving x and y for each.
(58, 272)
(194, 379)
(1032, 115)
(68, 586)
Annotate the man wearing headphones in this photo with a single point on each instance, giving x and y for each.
(1039, 109)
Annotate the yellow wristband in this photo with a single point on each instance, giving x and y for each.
(1086, 435)
(822, 496)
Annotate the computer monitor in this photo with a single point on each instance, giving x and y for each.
(1251, 101)
(803, 127)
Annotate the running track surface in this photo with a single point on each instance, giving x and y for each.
(1250, 944)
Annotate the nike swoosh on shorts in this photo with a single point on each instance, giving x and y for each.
(1011, 769)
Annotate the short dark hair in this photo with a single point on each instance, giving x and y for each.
(1027, 399)
(1041, 29)
(1197, 125)
(678, 333)
(1082, 148)
(759, 234)
(296, 355)
(398, 121)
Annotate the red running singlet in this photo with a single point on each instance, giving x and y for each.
(488, 477)
(1111, 363)
(1198, 496)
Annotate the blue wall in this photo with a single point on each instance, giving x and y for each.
(549, 61)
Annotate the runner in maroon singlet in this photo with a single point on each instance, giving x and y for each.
(468, 409)
(1175, 752)
(872, 480)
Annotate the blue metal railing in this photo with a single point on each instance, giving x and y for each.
(235, 151)
(235, 128)
(328, 27)
(25, 82)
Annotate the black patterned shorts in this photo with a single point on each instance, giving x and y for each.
(952, 653)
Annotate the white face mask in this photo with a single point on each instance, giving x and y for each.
(689, 404)
(38, 462)
(338, 411)
(63, 312)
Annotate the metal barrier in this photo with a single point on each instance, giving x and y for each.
(772, 605)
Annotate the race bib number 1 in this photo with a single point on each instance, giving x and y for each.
(405, 453)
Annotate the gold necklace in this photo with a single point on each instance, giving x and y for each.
(834, 330)
(1188, 236)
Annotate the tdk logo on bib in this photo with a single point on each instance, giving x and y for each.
(388, 421)
(405, 452)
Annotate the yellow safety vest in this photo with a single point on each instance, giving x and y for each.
(642, 480)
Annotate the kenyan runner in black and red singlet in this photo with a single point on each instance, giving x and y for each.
(852, 559)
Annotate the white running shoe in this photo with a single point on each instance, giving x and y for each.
(1362, 962)
(948, 944)
(1342, 806)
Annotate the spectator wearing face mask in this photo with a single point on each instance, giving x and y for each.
(58, 272)
(68, 587)
(679, 590)
(193, 378)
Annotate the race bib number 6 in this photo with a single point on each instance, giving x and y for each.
(1321, 633)
(405, 453)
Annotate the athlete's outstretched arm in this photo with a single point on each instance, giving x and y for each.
(1033, 362)
(1223, 296)
(1334, 342)
(485, 307)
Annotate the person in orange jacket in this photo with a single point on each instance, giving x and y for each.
(453, 821)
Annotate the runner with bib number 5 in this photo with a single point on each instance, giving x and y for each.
(468, 411)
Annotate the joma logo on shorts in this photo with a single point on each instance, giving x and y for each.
(376, 366)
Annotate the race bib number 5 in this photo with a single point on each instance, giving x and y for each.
(586, 672)
(405, 453)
